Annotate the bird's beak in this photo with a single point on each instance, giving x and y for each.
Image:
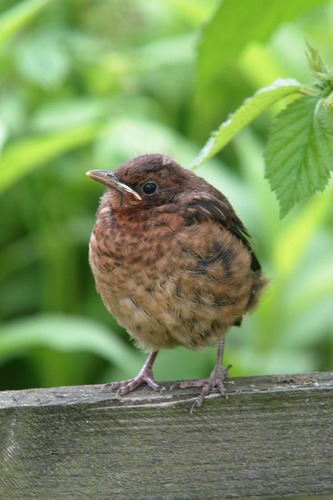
(110, 180)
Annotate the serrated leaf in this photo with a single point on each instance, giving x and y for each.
(322, 73)
(299, 153)
(316, 62)
(249, 110)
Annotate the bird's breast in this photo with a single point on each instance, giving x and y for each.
(170, 284)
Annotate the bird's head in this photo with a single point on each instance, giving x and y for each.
(146, 181)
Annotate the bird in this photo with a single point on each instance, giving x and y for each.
(173, 264)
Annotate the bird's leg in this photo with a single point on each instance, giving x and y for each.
(215, 381)
(145, 376)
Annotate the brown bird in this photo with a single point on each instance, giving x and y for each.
(172, 262)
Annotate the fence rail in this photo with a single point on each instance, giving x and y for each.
(273, 436)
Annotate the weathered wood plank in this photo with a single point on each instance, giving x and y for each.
(273, 436)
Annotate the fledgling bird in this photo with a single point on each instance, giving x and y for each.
(172, 262)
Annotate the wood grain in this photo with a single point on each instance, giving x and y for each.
(273, 436)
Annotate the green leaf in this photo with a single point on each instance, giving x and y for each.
(14, 19)
(299, 153)
(316, 62)
(322, 73)
(22, 157)
(43, 60)
(250, 109)
(64, 333)
(237, 23)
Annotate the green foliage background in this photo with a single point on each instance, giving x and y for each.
(88, 85)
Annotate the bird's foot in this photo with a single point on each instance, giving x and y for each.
(125, 386)
(145, 376)
(215, 381)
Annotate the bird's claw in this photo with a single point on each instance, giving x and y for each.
(145, 376)
(126, 386)
(215, 381)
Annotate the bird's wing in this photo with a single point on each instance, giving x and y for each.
(206, 206)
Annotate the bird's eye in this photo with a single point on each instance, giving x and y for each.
(149, 188)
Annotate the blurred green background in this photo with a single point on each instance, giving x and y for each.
(88, 85)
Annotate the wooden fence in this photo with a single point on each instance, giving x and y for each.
(273, 436)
